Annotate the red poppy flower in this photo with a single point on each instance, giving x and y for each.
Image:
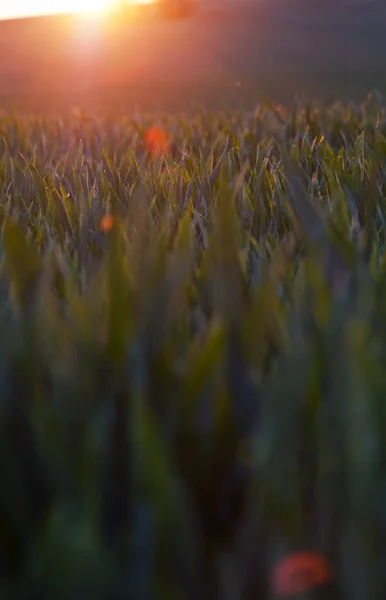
(301, 572)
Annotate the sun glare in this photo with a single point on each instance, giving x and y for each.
(24, 8)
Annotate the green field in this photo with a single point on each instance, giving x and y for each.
(193, 341)
(192, 353)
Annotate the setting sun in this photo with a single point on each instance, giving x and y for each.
(24, 8)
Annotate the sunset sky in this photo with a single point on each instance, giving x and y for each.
(23, 8)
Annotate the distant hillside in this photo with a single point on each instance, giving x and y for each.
(221, 57)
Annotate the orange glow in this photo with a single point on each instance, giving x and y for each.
(22, 8)
(107, 223)
(157, 141)
(301, 572)
(25, 8)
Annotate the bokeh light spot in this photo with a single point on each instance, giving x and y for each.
(157, 141)
(107, 223)
(301, 572)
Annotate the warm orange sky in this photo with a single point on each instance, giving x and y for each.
(23, 8)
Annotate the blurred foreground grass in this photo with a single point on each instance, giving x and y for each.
(196, 388)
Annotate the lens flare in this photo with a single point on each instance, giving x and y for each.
(107, 223)
(157, 141)
(301, 572)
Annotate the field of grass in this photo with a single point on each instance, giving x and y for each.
(192, 353)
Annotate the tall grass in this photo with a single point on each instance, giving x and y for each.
(193, 393)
